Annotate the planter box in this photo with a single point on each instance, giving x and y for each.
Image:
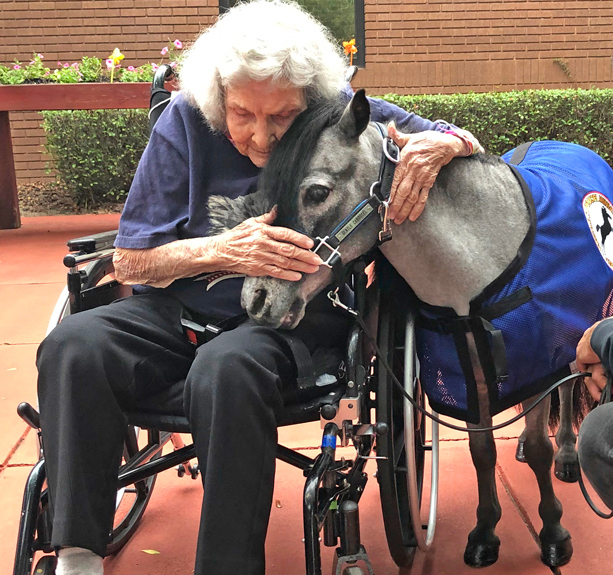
(26, 97)
(36, 97)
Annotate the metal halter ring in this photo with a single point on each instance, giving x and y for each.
(386, 151)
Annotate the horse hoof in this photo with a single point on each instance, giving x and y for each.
(481, 554)
(567, 472)
(519, 452)
(557, 554)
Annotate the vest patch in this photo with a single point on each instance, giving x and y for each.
(599, 214)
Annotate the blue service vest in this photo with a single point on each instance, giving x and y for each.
(528, 322)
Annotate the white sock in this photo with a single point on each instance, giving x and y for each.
(77, 561)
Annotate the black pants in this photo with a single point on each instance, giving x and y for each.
(595, 449)
(127, 355)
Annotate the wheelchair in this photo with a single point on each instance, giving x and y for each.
(361, 407)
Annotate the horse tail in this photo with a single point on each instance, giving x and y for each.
(582, 405)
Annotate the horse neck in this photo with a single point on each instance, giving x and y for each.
(473, 224)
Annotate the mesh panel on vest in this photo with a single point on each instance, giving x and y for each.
(570, 280)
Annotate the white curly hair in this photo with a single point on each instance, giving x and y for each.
(261, 40)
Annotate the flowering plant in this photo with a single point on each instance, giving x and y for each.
(90, 69)
(172, 51)
(114, 61)
(350, 49)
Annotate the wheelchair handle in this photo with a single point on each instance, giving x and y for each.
(73, 260)
(29, 415)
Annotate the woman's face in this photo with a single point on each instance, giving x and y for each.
(257, 115)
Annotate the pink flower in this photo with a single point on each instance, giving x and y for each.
(131, 68)
(75, 65)
(59, 64)
(109, 63)
(32, 62)
(178, 44)
(40, 56)
(47, 73)
(154, 66)
(16, 67)
(173, 64)
(164, 51)
(66, 65)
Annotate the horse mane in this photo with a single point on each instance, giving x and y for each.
(288, 162)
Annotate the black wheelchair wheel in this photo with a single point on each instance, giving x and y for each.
(401, 473)
(45, 565)
(131, 501)
(392, 471)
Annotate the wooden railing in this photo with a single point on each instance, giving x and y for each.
(39, 97)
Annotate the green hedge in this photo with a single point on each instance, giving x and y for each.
(502, 120)
(95, 153)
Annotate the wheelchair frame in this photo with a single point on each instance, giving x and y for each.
(333, 487)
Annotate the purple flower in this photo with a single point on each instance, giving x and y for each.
(154, 66)
(109, 63)
(131, 68)
(164, 51)
(66, 65)
(16, 67)
(178, 44)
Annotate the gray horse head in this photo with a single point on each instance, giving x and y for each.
(322, 168)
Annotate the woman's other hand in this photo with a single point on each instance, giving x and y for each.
(257, 248)
(422, 155)
(588, 360)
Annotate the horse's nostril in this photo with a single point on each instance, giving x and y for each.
(258, 300)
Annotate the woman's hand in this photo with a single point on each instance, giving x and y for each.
(256, 248)
(422, 156)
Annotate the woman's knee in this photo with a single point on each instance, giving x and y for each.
(243, 364)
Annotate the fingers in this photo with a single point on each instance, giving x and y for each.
(418, 208)
(399, 138)
(290, 236)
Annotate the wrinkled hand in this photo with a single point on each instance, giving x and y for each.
(256, 248)
(422, 156)
(587, 360)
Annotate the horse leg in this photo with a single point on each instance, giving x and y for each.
(566, 465)
(556, 544)
(483, 543)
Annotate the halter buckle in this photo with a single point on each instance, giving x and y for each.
(334, 251)
(385, 234)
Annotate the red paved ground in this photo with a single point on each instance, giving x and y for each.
(31, 278)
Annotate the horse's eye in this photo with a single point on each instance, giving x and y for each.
(316, 194)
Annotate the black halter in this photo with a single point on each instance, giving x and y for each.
(378, 202)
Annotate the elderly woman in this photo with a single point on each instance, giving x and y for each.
(243, 83)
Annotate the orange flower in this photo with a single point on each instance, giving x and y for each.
(349, 47)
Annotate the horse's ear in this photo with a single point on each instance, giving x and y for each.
(356, 116)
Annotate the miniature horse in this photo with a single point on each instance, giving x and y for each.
(477, 233)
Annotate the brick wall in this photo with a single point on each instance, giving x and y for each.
(435, 46)
(412, 46)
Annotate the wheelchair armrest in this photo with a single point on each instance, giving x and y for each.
(93, 243)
